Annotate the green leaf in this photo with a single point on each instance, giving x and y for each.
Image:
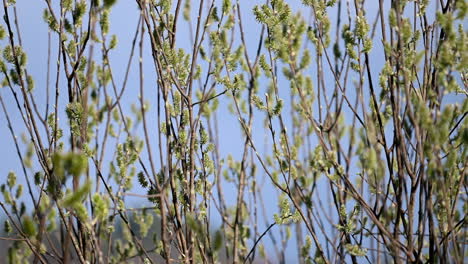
(11, 179)
(109, 3)
(226, 6)
(28, 226)
(75, 198)
(218, 240)
(2, 32)
(101, 207)
(7, 228)
(355, 250)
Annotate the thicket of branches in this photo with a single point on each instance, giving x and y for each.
(355, 120)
